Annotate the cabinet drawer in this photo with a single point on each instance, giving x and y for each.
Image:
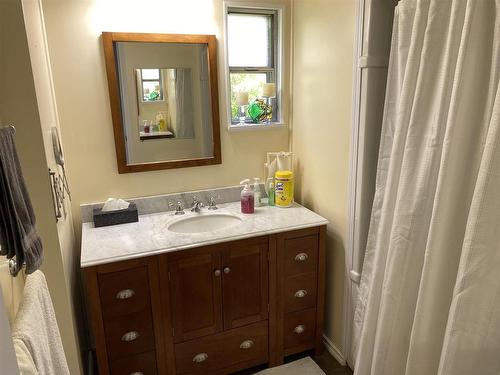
(300, 292)
(299, 331)
(141, 364)
(129, 334)
(124, 292)
(301, 255)
(212, 354)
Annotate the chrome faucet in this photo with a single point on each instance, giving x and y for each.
(197, 205)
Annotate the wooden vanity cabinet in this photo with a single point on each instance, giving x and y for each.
(210, 310)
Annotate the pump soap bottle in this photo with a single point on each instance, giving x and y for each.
(247, 198)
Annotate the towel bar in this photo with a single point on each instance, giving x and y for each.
(12, 127)
(13, 267)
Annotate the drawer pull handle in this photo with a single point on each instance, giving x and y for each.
(137, 373)
(198, 358)
(130, 336)
(247, 344)
(217, 273)
(300, 293)
(227, 270)
(301, 257)
(299, 329)
(125, 294)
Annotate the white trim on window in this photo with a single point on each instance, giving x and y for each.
(279, 63)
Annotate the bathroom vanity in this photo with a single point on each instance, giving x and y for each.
(168, 295)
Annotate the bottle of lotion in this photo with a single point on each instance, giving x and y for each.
(256, 192)
(247, 198)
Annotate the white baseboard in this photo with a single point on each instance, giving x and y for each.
(334, 351)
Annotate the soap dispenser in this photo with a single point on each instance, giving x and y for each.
(247, 197)
(256, 192)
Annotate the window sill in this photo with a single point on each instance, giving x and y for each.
(251, 127)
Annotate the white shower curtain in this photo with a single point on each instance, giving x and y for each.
(429, 298)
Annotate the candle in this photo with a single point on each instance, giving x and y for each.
(242, 98)
(269, 90)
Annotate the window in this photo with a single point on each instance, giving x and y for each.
(252, 36)
(152, 88)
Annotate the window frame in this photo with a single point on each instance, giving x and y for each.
(274, 70)
(160, 83)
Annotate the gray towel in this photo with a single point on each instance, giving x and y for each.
(18, 236)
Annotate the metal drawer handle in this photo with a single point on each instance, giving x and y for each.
(198, 358)
(130, 336)
(217, 273)
(299, 329)
(227, 270)
(247, 344)
(125, 294)
(300, 293)
(137, 373)
(301, 257)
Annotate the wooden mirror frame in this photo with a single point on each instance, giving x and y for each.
(109, 40)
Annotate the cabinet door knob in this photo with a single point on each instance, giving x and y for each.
(137, 373)
(125, 294)
(200, 357)
(300, 293)
(227, 270)
(299, 329)
(247, 344)
(130, 336)
(217, 273)
(301, 257)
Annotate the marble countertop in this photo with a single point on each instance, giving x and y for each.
(150, 235)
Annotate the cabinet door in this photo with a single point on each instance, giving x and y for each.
(245, 283)
(195, 285)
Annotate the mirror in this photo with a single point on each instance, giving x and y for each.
(164, 100)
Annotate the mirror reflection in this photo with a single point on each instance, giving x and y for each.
(166, 104)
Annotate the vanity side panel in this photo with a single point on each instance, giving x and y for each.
(280, 298)
(94, 299)
(274, 359)
(320, 309)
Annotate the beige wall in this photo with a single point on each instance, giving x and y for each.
(73, 29)
(33, 118)
(323, 50)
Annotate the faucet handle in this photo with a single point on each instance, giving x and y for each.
(197, 205)
(179, 210)
(211, 204)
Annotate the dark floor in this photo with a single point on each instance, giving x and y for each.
(327, 363)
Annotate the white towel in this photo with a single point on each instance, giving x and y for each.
(35, 328)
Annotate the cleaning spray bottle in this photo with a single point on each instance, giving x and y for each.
(270, 191)
(257, 194)
(247, 198)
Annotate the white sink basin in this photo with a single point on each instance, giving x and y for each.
(204, 223)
